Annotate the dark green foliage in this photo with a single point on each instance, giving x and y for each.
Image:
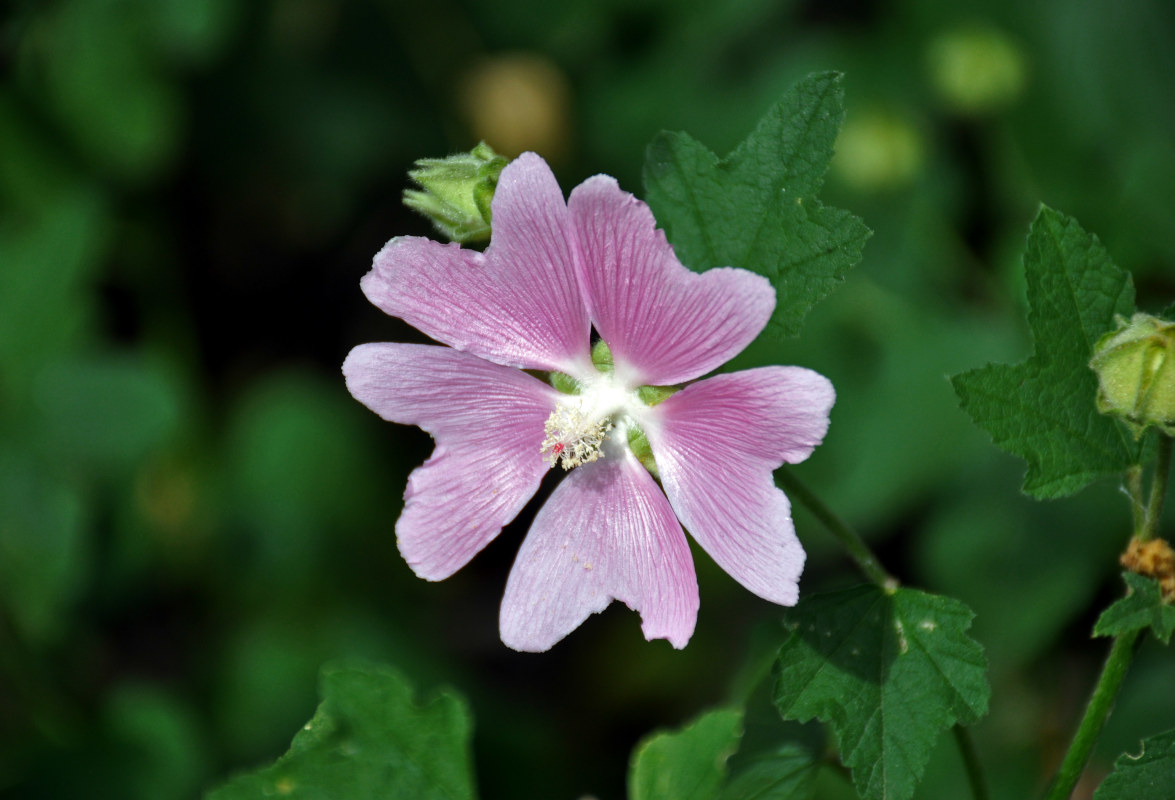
(369, 740)
(757, 208)
(1150, 775)
(1043, 409)
(890, 672)
(1142, 608)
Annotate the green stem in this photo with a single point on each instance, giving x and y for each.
(849, 539)
(1134, 492)
(1113, 673)
(970, 762)
(1154, 506)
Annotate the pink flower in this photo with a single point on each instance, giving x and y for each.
(552, 273)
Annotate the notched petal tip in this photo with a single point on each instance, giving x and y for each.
(487, 422)
(665, 323)
(607, 532)
(717, 443)
(518, 304)
(678, 639)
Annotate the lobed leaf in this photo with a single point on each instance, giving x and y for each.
(695, 763)
(1043, 409)
(1142, 608)
(787, 774)
(689, 764)
(889, 671)
(757, 208)
(1148, 776)
(369, 739)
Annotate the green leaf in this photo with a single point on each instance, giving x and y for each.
(106, 411)
(1142, 608)
(298, 468)
(369, 739)
(44, 554)
(776, 759)
(152, 747)
(107, 89)
(787, 774)
(1148, 776)
(1043, 409)
(757, 208)
(689, 764)
(889, 671)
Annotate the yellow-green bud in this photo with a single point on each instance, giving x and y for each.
(1135, 367)
(457, 192)
(977, 70)
(878, 150)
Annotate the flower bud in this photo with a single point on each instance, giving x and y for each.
(1135, 367)
(977, 70)
(878, 150)
(457, 192)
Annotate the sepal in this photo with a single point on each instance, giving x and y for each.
(1135, 367)
(456, 192)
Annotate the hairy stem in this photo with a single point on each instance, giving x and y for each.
(1096, 713)
(849, 539)
(1133, 490)
(1154, 506)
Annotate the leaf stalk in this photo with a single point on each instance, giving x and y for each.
(848, 538)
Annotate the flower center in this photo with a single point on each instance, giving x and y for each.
(579, 425)
(573, 437)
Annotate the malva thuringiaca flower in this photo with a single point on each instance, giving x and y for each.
(554, 272)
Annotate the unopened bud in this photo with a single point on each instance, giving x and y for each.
(1135, 367)
(457, 192)
(977, 70)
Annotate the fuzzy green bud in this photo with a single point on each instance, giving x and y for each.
(457, 192)
(1135, 367)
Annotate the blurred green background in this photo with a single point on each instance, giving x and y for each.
(195, 515)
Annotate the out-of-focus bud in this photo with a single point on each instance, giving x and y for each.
(457, 192)
(520, 102)
(1135, 367)
(878, 150)
(977, 69)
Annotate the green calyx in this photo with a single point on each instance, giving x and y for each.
(602, 357)
(456, 192)
(652, 395)
(649, 395)
(639, 444)
(564, 383)
(1135, 366)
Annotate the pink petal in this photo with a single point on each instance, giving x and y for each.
(716, 444)
(519, 304)
(488, 424)
(606, 532)
(663, 323)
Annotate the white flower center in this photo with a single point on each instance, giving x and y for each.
(580, 424)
